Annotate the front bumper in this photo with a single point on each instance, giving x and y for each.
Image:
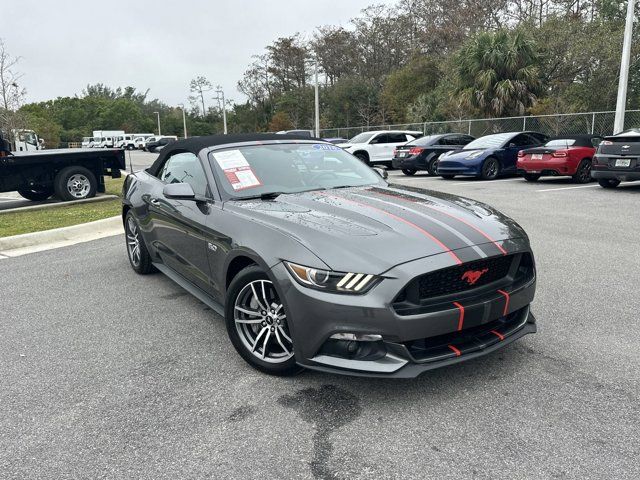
(455, 167)
(413, 343)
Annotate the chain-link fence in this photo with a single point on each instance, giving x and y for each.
(599, 123)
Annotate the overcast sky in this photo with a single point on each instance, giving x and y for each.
(159, 45)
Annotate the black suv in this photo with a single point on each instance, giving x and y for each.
(423, 153)
(617, 159)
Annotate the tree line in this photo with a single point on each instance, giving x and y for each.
(414, 61)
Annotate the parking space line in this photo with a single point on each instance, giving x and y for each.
(475, 182)
(579, 186)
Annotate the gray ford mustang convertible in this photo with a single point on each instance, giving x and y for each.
(315, 261)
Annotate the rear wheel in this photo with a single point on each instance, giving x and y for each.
(257, 325)
(409, 171)
(583, 173)
(531, 177)
(608, 182)
(490, 169)
(75, 183)
(36, 194)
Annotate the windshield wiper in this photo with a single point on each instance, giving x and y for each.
(263, 196)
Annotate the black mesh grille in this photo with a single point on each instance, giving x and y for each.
(463, 277)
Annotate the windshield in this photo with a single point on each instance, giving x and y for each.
(489, 141)
(563, 142)
(361, 138)
(424, 141)
(288, 168)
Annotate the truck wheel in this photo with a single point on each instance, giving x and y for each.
(608, 182)
(75, 183)
(36, 194)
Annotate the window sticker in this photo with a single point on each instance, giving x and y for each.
(322, 146)
(230, 159)
(241, 178)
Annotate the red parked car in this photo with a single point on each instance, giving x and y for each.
(569, 155)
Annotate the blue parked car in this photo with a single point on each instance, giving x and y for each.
(490, 156)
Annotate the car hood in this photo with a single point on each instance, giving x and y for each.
(371, 229)
(462, 154)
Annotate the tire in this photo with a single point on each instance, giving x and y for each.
(137, 252)
(608, 182)
(266, 329)
(363, 157)
(409, 171)
(75, 183)
(36, 194)
(583, 173)
(432, 167)
(531, 177)
(490, 169)
(448, 177)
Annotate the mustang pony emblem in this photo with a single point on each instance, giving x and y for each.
(472, 276)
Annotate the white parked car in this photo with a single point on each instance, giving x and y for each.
(377, 147)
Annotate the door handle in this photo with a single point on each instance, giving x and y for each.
(154, 201)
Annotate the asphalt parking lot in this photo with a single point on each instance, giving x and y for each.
(106, 374)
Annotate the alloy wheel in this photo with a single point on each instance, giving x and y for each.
(261, 322)
(133, 242)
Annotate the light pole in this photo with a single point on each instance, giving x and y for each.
(159, 131)
(224, 107)
(621, 103)
(317, 103)
(184, 119)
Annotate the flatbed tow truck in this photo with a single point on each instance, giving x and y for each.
(70, 173)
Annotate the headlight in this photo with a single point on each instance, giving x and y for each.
(337, 282)
(475, 154)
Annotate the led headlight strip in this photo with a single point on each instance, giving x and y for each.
(341, 282)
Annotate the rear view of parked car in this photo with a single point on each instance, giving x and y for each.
(423, 153)
(377, 147)
(569, 155)
(617, 159)
(490, 156)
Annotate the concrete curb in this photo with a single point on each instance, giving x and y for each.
(59, 237)
(45, 206)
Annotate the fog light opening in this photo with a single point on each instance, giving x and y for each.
(355, 346)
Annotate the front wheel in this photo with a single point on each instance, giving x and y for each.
(409, 171)
(36, 194)
(531, 177)
(364, 158)
(257, 323)
(136, 249)
(583, 173)
(490, 169)
(608, 182)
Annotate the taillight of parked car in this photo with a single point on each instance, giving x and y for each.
(560, 154)
(415, 151)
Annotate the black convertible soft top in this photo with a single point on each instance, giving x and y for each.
(196, 144)
(580, 140)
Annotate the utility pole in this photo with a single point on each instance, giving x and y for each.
(184, 119)
(621, 103)
(220, 97)
(317, 102)
(159, 131)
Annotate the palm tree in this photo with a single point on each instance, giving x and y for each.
(497, 73)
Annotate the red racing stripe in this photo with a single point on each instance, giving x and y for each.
(461, 315)
(470, 225)
(400, 219)
(507, 297)
(498, 334)
(455, 350)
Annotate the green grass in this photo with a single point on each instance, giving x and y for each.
(37, 220)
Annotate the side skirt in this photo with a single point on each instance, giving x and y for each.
(192, 289)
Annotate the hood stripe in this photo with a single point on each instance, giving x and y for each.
(400, 219)
(455, 232)
(455, 217)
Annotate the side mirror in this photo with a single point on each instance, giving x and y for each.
(179, 191)
(382, 172)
